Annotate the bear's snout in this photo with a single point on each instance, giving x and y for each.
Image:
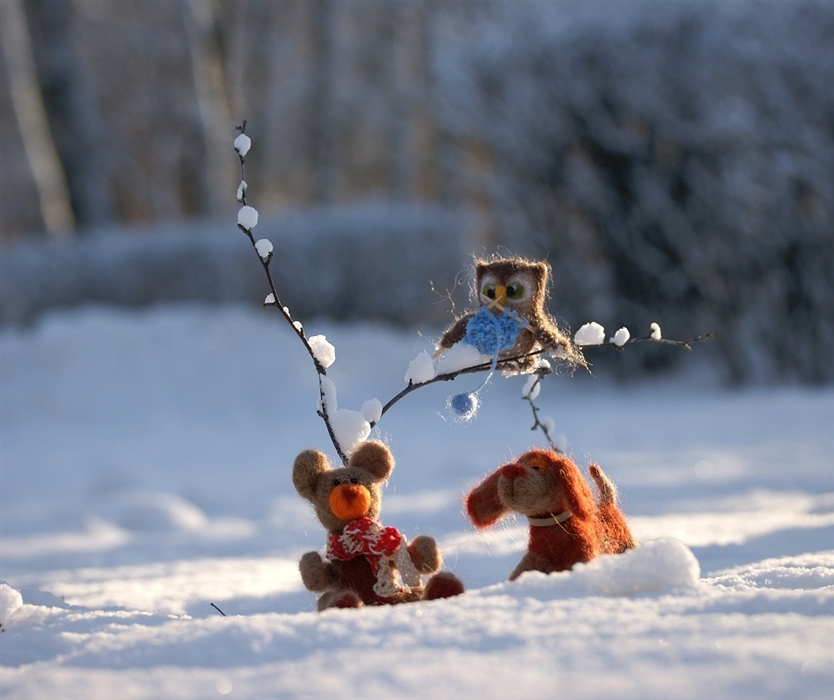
(349, 501)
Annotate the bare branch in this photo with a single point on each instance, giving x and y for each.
(275, 301)
(509, 363)
(541, 373)
(685, 344)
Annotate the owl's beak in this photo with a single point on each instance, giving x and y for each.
(501, 295)
(499, 301)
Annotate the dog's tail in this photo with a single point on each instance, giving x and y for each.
(617, 536)
(607, 490)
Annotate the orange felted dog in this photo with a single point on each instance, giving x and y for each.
(567, 524)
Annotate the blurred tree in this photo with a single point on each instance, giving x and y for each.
(32, 121)
(214, 113)
(323, 125)
(675, 164)
(72, 109)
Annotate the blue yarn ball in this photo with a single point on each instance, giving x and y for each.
(491, 334)
(464, 405)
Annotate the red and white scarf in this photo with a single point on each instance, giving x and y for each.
(383, 547)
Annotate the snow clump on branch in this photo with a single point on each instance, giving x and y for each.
(420, 369)
(264, 247)
(242, 144)
(590, 334)
(656, 332)
(620, 337)
(372, 410)
(247, 217)
(323, 351)
(531, 388)
(350, 428)
(460, 356)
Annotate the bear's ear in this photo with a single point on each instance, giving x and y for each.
(375, 458)
(306, 470)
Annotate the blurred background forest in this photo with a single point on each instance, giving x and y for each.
(673, 161)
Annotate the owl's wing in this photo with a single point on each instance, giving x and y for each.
(550, 337)
(558, 344)
(454, 334)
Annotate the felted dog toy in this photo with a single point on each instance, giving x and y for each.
(567, 525)
(364, 563)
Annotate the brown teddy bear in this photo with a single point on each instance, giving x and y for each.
(365, 563)
(567, 524)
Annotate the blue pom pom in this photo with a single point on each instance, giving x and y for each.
(465, 406)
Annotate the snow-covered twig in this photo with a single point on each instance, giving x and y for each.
(511, 362)
(685, 344)
(247, 220)
(529, 393)
(507, 363)
(322, 353)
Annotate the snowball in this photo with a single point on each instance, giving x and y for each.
(323, 351)
(264, 247)
(270, 299)
(531, 388)
(297, 325)
(247, 217)
(460, 356)
(620, 337)
(420, 369)
(655, 332)
(652, 567)
(350, 428)
(590, 334)
(242, 144)
(241, 190)
(372, 410)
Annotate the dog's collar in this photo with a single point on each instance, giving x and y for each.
(550, 519)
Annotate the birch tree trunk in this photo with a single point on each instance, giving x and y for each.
(212, 104)
(30, 112)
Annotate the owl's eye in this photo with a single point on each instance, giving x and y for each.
(488, 290)
(515, 290)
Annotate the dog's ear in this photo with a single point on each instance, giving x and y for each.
(483, 504)
(576, 490)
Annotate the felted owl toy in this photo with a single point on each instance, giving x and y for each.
(511, 320)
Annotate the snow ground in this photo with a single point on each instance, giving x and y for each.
(145, 476)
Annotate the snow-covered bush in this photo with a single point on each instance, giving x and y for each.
(370, 260)
(672, 161)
